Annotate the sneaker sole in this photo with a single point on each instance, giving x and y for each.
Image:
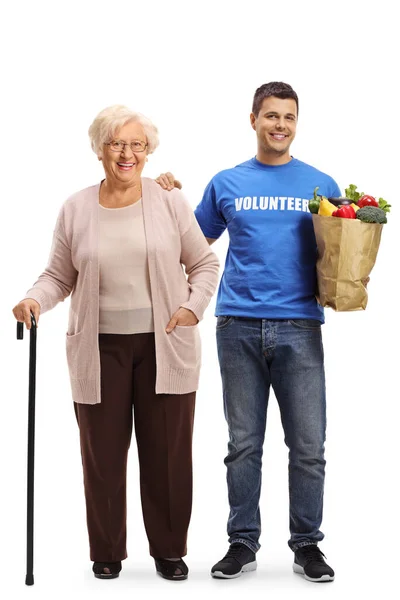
(245, 569)
(298, 569)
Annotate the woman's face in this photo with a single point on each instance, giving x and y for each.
(126, 164)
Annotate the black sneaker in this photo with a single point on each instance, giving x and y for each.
(309, 561)
(239, 559)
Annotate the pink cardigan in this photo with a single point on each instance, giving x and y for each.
(174, 238)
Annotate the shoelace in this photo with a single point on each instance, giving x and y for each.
(313, 553)
(235, 551)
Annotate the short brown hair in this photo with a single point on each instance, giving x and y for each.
(274, 88)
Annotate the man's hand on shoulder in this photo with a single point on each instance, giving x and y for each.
(168, 182)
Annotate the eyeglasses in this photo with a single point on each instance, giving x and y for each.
(119, 146)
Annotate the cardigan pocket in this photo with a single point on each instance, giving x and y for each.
(186, 346)
(77, 359)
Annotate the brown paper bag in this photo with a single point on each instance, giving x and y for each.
(347, 250)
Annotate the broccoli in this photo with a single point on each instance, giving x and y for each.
(371, 214)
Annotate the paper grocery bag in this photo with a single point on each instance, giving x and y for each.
(347, 250)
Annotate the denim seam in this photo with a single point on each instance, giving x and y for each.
(245, 543)
(302, 545)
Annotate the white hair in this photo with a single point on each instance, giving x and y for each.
(112, 118)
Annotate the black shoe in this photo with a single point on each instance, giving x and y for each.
(309, 561)
(239, 559)
(113, 567)
(175, 570)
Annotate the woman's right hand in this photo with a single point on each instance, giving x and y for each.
(22, 312)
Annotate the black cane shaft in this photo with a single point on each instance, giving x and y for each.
(31, 446)
(31, 453)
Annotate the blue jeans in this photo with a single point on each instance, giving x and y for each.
(287, 354)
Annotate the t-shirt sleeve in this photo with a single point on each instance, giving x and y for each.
(334, 190)
(208, 214)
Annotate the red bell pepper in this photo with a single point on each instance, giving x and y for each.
(367, 201)
(346, 212)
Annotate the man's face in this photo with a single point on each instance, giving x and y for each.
(275, 124)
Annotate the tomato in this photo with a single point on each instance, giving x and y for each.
(367, 201)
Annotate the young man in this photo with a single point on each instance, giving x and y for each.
(269, 331)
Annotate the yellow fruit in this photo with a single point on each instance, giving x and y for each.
(356, 208)
(326, 208)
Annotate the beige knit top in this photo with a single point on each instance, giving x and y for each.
(124, 284)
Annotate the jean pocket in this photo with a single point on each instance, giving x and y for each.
(223, 322)
(306, 324)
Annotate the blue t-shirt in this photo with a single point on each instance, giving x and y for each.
(270, 265)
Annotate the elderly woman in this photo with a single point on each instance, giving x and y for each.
(132, 340)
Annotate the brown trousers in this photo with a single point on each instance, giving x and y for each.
(163, 428)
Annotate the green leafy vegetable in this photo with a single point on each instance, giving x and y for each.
(384, 205)
(352, 194)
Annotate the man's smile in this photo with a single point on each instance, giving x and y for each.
(278, 136)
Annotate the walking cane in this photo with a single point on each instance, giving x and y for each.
(31, 444)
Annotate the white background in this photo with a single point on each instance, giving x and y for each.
(193, 69)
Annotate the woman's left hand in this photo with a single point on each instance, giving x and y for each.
(183, 317)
